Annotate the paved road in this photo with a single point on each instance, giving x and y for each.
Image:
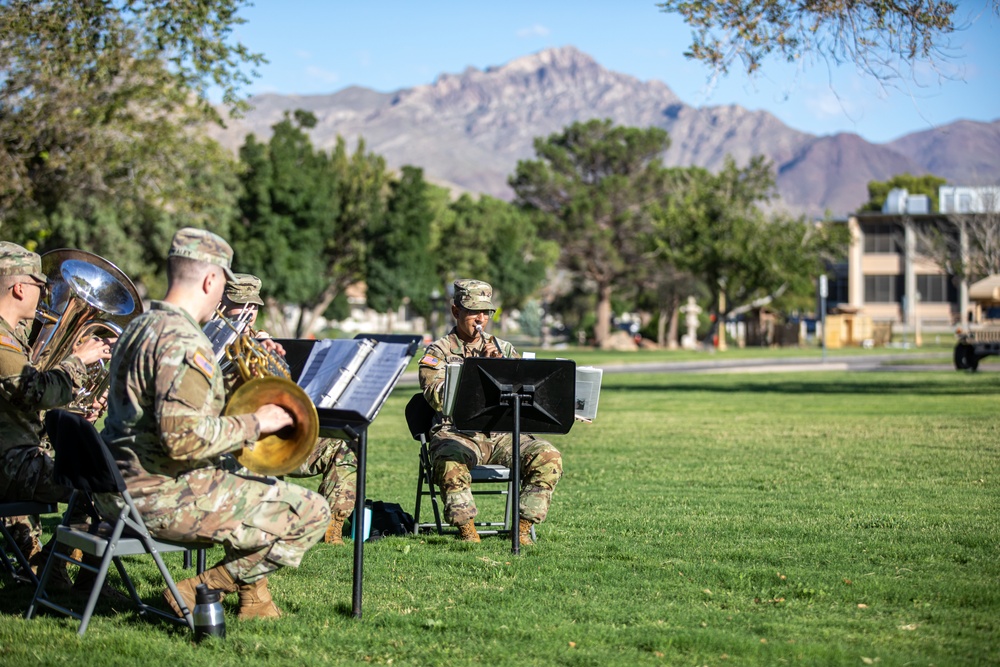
(881, 362)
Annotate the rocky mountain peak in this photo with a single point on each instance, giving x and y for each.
(469, 129)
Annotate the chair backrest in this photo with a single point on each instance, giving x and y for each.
(82, 460)
(419, 416)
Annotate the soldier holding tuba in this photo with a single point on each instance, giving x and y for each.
(332, 458)
(26, 457)
(165, 428)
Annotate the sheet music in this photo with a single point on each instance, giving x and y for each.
(353, 374)
(331, 366)
(588, 391)
(383, 367)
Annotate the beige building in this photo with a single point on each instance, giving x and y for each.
(888, 279)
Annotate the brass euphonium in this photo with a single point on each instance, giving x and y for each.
(89, 297)
(263, 377)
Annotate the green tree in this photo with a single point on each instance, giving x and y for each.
(882, 39)
(304, 216)
(712, 227)
(99, 102)
(595, 182)
(289, 210)
(399, 269)
(926, 184)
(493, 240)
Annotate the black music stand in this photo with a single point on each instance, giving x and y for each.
(352, 423)
(506, 395)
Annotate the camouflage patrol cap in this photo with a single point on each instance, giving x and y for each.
(18, 261)
(244, 288)
(473, 294)
(204, 246)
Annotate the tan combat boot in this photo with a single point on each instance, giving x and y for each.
(467, 532)
(524, 529)
(256, 601)
(59, 579)
(218, 578)
(335, 531)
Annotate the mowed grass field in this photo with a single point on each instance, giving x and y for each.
(815, 518)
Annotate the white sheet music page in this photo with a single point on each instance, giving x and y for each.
(378, 376)
(588, 391)
(331, 366)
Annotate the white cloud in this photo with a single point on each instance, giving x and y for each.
(533, 31)
(320, 74)
(303, 54)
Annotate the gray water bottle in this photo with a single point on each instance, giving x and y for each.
(208, 618)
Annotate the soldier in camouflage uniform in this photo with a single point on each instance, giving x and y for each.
(452, 452)
(165, 430)
(26, 457)
(332, 458)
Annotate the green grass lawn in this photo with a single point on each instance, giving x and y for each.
(802, 518)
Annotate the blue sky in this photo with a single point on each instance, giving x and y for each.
(318, 47)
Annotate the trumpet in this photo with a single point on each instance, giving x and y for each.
(89, 297)
(263, 377)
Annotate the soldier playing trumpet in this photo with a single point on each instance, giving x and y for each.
(332, 458)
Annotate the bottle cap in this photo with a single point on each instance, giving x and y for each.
(205, 595)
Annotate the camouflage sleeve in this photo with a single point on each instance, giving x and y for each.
(431, 373)
(30, 389)
(185, 394)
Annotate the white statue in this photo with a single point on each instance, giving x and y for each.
(689, 341)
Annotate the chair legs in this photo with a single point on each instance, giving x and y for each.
(109, 549)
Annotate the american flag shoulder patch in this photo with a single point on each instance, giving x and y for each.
(204, 364)
(430, 360)
(7, 341)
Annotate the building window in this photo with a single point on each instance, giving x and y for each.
(934, 288)
(964, 203)
(882, 239)
(883, 289)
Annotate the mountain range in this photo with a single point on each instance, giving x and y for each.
(468, 130)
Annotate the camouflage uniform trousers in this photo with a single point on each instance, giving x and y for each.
(453, 454)
(336, 461)
(261, 525)
(27, 473)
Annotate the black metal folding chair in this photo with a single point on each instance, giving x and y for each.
(83, 463)
(19, 566)
(419, 419)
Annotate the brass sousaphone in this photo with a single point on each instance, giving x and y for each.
(262, 378)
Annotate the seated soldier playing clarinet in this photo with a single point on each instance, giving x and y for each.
(453, 453)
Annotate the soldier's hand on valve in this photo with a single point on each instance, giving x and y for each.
(271, 345)
(97, 407)
(272, 418)
(92, 350)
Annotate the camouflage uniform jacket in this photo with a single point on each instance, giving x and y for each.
(446, 350)
(165, 401)
(25, 391)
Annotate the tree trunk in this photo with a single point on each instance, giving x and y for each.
(602, 328)
(675, 307)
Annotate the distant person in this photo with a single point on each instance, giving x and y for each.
(165, 429)
(454, 453)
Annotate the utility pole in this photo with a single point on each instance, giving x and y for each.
(823, 293)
